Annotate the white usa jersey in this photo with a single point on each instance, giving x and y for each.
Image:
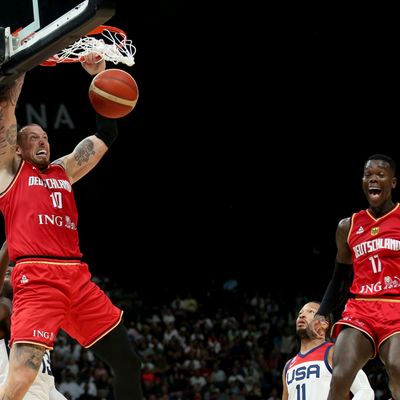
(308, 376)
(43, 387)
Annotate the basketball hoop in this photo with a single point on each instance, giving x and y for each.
(112, 45)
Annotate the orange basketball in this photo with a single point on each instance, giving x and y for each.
(113, 93)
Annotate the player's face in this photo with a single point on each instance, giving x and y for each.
(305, 316)
(34, 146)
(378, 182)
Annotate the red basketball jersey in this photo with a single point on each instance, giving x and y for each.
(46, 226)
(375, 245)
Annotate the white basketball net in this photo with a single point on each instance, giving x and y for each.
(113, 47)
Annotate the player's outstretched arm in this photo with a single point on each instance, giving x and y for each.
(84, 158)
(90, 151)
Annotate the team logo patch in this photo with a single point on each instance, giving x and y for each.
(374, 231)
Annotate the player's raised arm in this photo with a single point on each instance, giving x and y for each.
(90, 150)
(8, 129)
(8, 122)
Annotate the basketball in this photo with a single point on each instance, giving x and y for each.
(113, 93)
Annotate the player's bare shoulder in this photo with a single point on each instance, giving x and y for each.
(59, 162)
(342, 232)
(343, 229)
(344, 224)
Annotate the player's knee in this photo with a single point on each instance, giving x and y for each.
(394, 380)
(18, 382)
(25, 361)
(393, 370)
(341, 379)
(118, 352)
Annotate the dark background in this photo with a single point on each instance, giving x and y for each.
(245, 148)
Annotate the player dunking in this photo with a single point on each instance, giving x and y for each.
(309, 373)
(369, 241)
(52, 287)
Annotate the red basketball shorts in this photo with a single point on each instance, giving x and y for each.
(378, 318)
(50, 294)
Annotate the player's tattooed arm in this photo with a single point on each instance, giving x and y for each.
(8, 134)
(8, 123)
(9, 94)
(84, 157)
(84, 151)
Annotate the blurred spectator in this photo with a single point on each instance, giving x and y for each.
(189, 304)
(69, 386)
(192, 350)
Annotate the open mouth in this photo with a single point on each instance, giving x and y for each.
(374, 192)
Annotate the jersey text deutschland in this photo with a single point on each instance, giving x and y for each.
(376, 244)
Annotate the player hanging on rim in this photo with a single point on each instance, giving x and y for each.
(52, 287)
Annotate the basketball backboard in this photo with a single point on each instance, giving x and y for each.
(33, 30)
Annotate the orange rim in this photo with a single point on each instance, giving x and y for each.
(52, 61)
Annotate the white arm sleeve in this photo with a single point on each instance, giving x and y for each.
(361, 388)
